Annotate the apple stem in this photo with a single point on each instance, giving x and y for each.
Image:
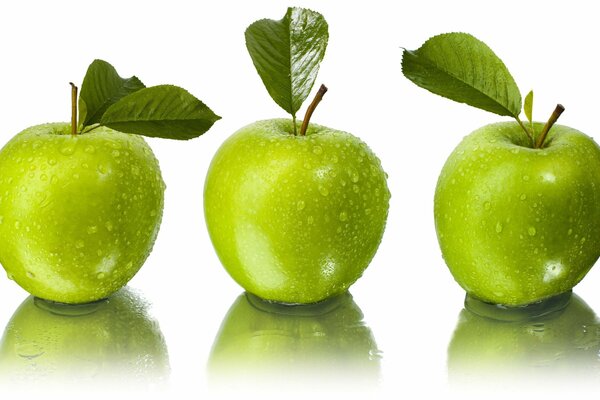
(553, 118)
(73, 109)
(311, 108)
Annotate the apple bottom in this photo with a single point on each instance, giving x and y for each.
(285, 347)
(517, 313)
(100, 343)
(554, 349)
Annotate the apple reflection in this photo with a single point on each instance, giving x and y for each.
(564, 343)
(261, 342)
(114, 340)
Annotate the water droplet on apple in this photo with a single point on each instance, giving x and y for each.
(67, 150)
(30, 275)
(317, 150)
(525, 178)
(53, 180)
(129, 265)
(52, 161)
(17, 225)
(43, 177)
(29, 350)
(523, 196)
(116, 153)
(582, 240)
(323, 190)
(498, 227)
(570, 231)
(335, 159)
(531, 231)
(100, 275)
(355, 188)
(90, 149)
(300, 205)
(343, 216)
(354, 176)
(109, 226)
(310, 219)
(79, 244)
(487, 205)
(92, 229)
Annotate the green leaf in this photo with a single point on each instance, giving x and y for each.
(287, 54)
(102, 87)
(464, 69)
(528, 107)
(164, 111)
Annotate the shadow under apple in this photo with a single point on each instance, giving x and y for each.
(111, 341)
(262, 343)
(564, 344)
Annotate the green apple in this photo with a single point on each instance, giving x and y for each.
(78, 213)
(81, 202)
(517, 204)
(261, 339)
(566, 341)
(295, 211)
(517, 224)
(295, 218)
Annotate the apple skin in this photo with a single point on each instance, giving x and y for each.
(78, 214)
(114, 339)
(518, 225)
(295, 219)
(560, 343)
(260, 339)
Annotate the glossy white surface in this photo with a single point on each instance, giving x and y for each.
(409, 300)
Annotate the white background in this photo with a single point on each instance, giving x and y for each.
(407, 295)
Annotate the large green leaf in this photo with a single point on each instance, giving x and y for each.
(102, 87)
(462, 68)
(287, 54)
(164, 111)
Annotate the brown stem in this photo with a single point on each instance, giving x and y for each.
(73, 108)
(553, 118)
(311, 108)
